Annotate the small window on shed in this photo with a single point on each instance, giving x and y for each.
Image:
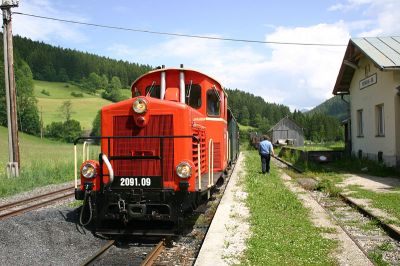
(155, 91)
(193, 95)
(213, 103)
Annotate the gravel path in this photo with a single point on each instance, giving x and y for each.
(373, 183)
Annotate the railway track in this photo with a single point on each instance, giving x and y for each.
(129, 255)
(152, 256)
(366, 230)
(98, 253)
(18, 207)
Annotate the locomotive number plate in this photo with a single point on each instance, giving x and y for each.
(140, 182)
(135, 182)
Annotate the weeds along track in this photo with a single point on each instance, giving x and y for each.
(18, 207)
(375, 238)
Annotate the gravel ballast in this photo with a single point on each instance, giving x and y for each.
(48, 236)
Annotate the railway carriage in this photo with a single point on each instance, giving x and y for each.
(162, 151)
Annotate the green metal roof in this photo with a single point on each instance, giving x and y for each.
(383, 51)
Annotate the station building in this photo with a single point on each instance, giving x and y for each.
(370, 75)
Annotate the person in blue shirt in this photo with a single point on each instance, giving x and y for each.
(265, 150)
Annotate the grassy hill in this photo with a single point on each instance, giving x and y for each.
(43, 162)
(51, 95)
(334, 106)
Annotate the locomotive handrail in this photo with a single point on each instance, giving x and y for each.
(134, 137)
(199, 165)
(210, 162)
(109, 167)
(85, 148)
(75, 167)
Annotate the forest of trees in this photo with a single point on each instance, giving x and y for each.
(52, 63)
(27, 111)
(37, 60)
(254, 111)
(334, 106)
(319, 127)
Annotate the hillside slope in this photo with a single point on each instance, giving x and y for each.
(51, 95)
(334, 106)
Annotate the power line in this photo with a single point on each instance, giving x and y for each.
(177, 34)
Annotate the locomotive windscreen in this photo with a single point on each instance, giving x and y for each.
(158, 125)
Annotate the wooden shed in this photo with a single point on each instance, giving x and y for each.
(287, 132)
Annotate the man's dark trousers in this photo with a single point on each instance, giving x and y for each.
(265, 159)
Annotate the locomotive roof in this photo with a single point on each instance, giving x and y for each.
(179, 69)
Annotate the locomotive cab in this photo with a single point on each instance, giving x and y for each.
(162, 151)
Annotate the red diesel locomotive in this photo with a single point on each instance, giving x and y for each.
(162, 151)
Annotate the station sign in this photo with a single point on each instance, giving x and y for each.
(368, 81)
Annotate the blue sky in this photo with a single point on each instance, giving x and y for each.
(300, 77)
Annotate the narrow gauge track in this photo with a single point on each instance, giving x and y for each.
(18, 207)
(104, 255)
(98, 253)
(148, 260)
(392, 235)
(153, 255)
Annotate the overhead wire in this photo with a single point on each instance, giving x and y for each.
(176, 34)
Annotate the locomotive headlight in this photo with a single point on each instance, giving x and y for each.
(140, 106)
(184, 170)
(88, 170)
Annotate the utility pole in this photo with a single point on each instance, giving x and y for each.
(11, 97)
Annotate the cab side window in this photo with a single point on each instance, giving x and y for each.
(193, 95)
(213, 103)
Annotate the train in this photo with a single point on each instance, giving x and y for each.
(163, 153)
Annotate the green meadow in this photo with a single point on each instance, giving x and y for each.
(84, 109)
(43, 162)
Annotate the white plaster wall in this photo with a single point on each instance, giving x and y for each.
(383, 92)
(397, 117)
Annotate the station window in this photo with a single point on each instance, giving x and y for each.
(360, 124)
(380, 120)
(193, 95)
(213, 103)
(154, 90)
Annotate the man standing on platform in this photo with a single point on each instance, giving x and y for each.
(265, 150)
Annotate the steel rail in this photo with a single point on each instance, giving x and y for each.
(152, 256)
(20, 202)
(35, 206)
(99, 252)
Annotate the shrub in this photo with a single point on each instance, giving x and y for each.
(77, 94)
(67, 131)
(45, 92)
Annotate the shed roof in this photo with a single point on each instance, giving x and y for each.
(282, 121)
(384, 52)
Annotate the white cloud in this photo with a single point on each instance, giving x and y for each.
(382, 18)
(298, 76)
(312, 70)
(46, 30)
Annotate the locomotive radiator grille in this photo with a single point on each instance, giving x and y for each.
(158, 125)
(217, 155)
(201, 135)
